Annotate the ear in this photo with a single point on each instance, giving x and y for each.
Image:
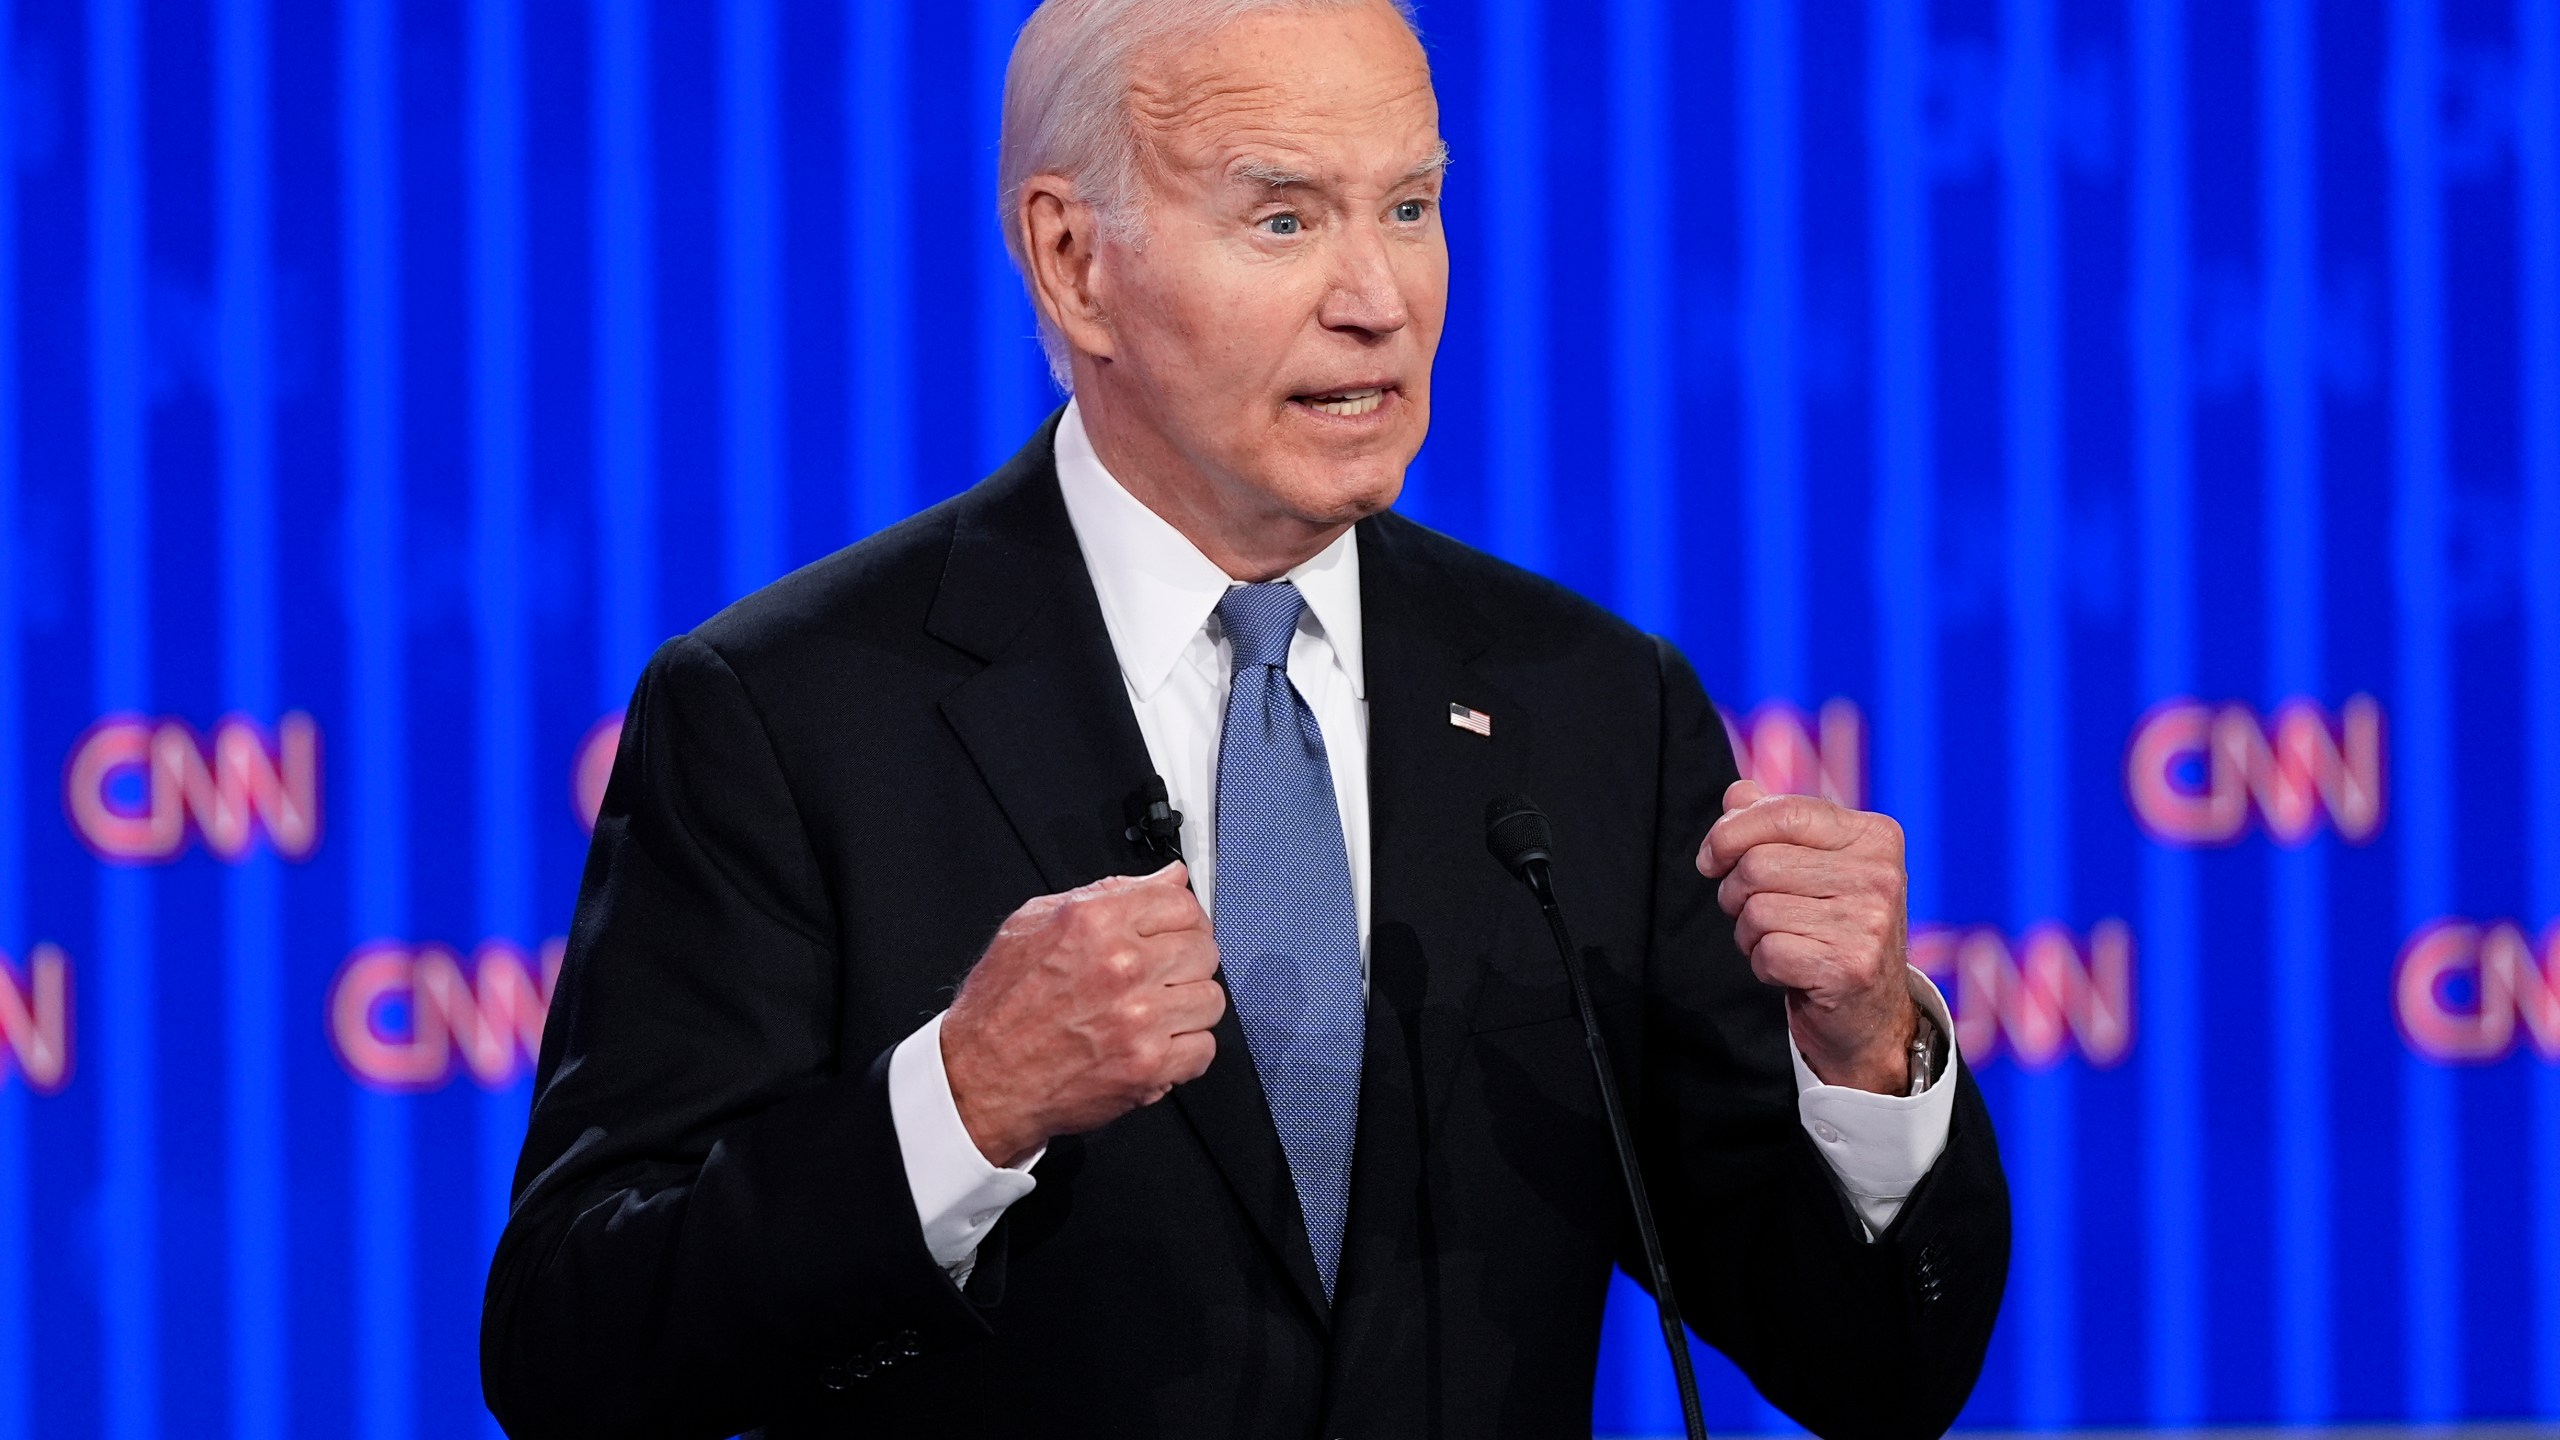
(1063, 246)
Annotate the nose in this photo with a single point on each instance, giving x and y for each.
(1365, 300)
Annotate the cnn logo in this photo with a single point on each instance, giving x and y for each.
(2039, 999)
(409, 1018)
(1787, 752)
(136, 787)
(35, 1019)
(2196, 773)
(593, 767)
(2465, 993)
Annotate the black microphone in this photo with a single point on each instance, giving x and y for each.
(1154, 825)
(1517, 833)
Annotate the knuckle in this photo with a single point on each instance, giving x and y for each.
(1758, 868)
(1147, 1055)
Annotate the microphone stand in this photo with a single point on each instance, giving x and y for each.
(1529, 861)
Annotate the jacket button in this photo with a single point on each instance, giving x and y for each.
(836, 1376)
(908, 1345)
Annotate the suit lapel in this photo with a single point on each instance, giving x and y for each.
(1049, 726)
(1435, 895)
(1435, 891)
(1047, 721)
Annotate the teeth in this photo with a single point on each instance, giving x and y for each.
(1349, 402)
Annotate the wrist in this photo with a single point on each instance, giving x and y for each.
(1002, 1136)
(1880, 1063)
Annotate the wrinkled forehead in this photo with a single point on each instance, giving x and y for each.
(1332, 94)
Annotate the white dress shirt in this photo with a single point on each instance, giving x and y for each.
(1159, 599)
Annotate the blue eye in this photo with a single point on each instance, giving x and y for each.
(1409, 211)
(1284, 224)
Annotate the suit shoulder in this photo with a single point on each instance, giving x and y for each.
(892, 570)
(874, 591)
(877, 592)
(1520, 607)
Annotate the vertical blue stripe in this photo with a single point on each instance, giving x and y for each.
(1008, 395)
(2172, 1061)
(1772, 442)
(2423, 724)
(503, 715)
(17, 1233)
(626, 349)
(120, 548)
(254, 1160)
(383, 1226)
(2538, 250)
(750, 256)
(2298, 951)
(1516, 200)
(1640, 140)
(1905, 442)
(879, 212)
(1772, 449)
(2045, 1295)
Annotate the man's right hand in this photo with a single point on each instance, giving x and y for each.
(1086, 1006)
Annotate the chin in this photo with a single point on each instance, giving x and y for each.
(1343, 494)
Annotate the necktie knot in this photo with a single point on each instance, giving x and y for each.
(1259, 620)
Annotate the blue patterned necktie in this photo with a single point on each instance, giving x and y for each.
(1288, 938)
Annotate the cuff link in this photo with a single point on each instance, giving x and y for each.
(1928, 1052)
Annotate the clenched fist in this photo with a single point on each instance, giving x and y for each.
(1086, 1006)
(1818, 896)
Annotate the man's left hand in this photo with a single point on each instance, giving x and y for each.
(1818, 896)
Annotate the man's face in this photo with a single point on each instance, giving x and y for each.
(1273, 323)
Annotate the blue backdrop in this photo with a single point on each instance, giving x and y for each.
(2120, 438)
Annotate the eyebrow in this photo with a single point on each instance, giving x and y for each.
(1280, 177)
(1434, 165)
(1270, 176)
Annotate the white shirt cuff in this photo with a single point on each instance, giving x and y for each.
(1881, 1145)
(959, 1196)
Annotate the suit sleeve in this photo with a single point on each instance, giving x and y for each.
(1852, 1339)
(711, 1222)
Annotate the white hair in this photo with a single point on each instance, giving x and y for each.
(1066, 109)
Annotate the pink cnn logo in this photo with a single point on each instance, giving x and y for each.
(136, 787)
(594, 766)
(35, 1019)
(2038, 999)
(409, 1018)
(2196, 773)
(1787, 752)
(2464, 993)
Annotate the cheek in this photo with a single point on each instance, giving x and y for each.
(1211, 328)
(1426, 286)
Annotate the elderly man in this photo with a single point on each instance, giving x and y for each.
(1295, 1139)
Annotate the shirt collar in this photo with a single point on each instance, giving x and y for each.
(1158, 590)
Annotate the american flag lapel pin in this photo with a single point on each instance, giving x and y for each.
(1475, 720)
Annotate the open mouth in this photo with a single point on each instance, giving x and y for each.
(1345, 404)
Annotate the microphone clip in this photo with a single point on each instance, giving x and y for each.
(1154, 825)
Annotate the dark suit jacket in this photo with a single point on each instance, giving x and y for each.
(829, 796)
